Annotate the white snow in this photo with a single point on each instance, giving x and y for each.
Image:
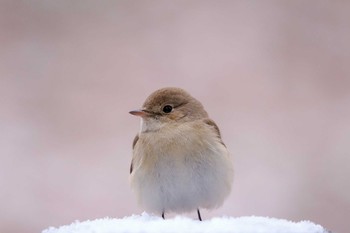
(148, 223)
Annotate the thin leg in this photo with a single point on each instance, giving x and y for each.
(163, 215)
(199, 215)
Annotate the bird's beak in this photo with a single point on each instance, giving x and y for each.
(140, 113)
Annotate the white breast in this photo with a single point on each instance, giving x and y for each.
(181, 170)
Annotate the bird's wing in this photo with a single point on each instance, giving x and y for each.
(131, 164)
(211, 123)
(133, 146)
(135, 141)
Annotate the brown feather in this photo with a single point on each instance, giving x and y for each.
(216, 128)
(135, 141)
(133, 146)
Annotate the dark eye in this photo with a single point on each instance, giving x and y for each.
(167, 108)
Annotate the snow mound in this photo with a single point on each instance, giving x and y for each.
(148, 223)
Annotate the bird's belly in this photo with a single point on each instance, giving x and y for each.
(183, 179)
(170, 187)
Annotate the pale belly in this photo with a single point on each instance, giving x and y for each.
(181, 178)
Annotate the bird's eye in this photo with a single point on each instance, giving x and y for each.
(167, 108)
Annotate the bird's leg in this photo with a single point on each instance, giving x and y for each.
(163, 215)
(199, 215)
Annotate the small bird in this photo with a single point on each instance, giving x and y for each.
(179, 163)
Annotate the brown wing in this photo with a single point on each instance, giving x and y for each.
(133, 146)
(216, 128)
(135, 141)
(131, 167)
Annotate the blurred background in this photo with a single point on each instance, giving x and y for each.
(274, 75)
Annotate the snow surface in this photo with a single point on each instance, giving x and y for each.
(149, 223)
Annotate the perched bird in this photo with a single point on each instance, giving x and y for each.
(179, 163)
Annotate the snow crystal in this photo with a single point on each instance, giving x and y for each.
(148, 223)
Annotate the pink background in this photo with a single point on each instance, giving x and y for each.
(274, 75)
